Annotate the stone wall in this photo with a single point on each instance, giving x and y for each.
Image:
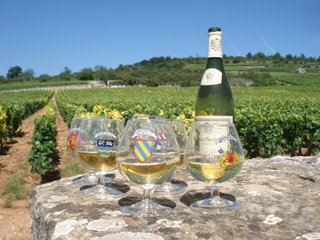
(279, 197)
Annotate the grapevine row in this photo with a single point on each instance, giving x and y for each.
(43, 156)
(270, 121)
(14, 107)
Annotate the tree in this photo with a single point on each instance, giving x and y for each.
(67, 70)
(249, 55)
(100, 72)
(14, 72)
(66, 74)
(259, 56)
(28, 74)
(289, 57)
(302, 57)
(276, 57)
(2, 78)
(44, 77)
(86, 74)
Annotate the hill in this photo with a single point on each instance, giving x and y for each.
(241, 71)
(252, 70)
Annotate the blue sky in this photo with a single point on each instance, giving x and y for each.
(48, 35)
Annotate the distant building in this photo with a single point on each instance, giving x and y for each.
(97, 84)
(300, 70)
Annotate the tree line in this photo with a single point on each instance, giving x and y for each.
(154, 71)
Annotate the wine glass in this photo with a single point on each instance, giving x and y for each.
(147, 155)
(71, 143)
(95, 147)
(174, 187)
(216, 155)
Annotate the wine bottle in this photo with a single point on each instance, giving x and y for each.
(214, 103)
(214, 100)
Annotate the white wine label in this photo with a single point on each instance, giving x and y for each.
(211, 76)
(214, 119)
(214, 140)
(209, 140)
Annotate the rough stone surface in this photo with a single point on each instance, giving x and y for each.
(279, 197)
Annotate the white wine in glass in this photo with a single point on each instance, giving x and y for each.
(173, 187)
(85, 179)
(213, 159)
(95, 146)
(148, 155)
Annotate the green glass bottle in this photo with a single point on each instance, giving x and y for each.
(214, 101)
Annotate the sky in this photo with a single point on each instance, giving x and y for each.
(49, 35)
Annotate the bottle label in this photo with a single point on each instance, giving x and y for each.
(210, 138)
(211, 76)
(214, 119)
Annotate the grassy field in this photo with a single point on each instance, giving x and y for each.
(37, 84)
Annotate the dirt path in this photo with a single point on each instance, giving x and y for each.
(15, 221)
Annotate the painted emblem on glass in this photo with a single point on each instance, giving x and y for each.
(105, 144)
(230, 160)
(143, 149)
(72, 138)
(160, 144)
(105, 147)
(143, 144)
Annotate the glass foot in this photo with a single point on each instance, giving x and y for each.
(146, 209)
(98, 192)
(172, 188)
(90, 179)
(216, 205)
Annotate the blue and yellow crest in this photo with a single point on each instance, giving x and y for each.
(142, 149)
(105, 148)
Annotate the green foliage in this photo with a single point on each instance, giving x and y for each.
(259, 79)
(71, 169)
(42, 81)
(86, 74)
(28, 74)
(14, 72)
(270, 120)
(14, 107)
(164, 71)
(43, 156)
(15, 189)
(14, 116)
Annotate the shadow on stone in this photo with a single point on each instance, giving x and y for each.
(193, 196)
(51, 176)
(126, 201)
(118, 186)
(79, 179)
(175, 181)
(114, 185)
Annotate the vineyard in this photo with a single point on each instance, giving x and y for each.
(14, 107)
(270, 120)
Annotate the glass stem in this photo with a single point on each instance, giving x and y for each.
(146, 196)
(92, 176)
(101, 180)
(215, 195)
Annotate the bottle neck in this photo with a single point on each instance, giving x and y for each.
(215, 45)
